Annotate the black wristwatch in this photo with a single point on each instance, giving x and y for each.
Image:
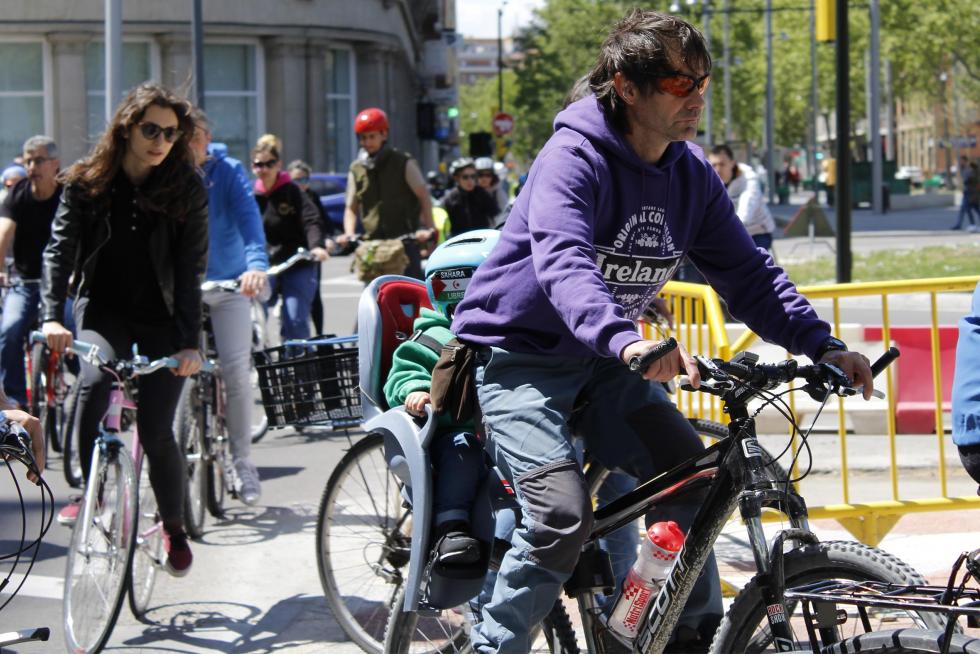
(829, 345)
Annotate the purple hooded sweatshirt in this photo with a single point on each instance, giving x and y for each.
(596, 232)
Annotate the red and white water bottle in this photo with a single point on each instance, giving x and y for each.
(660, 548)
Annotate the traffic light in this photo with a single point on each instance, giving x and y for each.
(425, 120)
(452, 112)
(481, 144)
(826, 20)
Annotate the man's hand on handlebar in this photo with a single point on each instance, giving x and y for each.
(344, 239)
(252, 282)
(33, 428)
(667, 367)
(856, 366)
(59, 338)
(320, 254)
(190, 362)
(425, 234)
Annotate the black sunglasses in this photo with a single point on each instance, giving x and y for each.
(151, 131)
(265, 164)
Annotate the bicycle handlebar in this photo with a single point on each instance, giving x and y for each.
(302, 254)
(227, 285)
(91, 353)
(718, 377)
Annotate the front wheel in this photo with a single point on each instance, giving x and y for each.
(905, 641)
(745, 627)
(71, 461)
(147, 546)
(190, 436)
(100, 553)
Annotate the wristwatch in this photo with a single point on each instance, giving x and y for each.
(829, 345)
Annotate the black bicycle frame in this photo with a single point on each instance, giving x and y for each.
(733, 472)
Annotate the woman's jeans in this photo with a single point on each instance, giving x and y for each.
(158, 395)
(296, 286)
(231, 323)
(627, 423)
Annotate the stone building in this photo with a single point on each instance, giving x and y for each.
(300, 69)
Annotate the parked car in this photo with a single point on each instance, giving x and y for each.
(912, 173)
(332, 189)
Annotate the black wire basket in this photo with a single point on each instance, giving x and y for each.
(313, 383)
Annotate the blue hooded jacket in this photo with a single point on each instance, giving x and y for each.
(596, 232)
(966, 378)
(236, 237)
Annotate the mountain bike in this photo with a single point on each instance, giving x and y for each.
(364, 540)
(729, 475)
(117, 541)
(824, 605)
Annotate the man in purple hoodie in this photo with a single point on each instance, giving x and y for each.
(613, 202)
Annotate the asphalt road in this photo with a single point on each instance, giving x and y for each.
(254, 586)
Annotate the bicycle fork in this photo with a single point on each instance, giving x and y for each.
(107, 448)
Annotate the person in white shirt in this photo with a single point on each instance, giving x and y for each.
(746, 194)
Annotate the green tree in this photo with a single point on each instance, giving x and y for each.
(478, 102)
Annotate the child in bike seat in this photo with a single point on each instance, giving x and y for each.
(456, 450)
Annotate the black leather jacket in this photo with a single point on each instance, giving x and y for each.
(179, 249)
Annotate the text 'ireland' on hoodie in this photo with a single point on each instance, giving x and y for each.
(596, 232)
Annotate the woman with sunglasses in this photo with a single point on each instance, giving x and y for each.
(291, 222)
(130, 236)
(469, 205)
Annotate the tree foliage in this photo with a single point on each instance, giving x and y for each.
(921, 39)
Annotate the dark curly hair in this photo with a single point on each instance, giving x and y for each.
(166, 190)
(642, 47)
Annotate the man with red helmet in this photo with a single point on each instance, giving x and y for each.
(386, 187)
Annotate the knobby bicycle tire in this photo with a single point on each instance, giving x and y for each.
(904, 641)
(90, 607)
(193, 446)
(147, 546)
(745, 627)
(71, 461)
(362, 542)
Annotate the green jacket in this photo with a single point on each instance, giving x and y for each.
(412, 364)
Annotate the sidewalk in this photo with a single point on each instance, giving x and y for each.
(895, 230)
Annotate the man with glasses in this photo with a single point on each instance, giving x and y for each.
(385, 188)
(469, 206)
(25, 220)
(612, 204)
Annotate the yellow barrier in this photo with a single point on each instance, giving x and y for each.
(699, 325)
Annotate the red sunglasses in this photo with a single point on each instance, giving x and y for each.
(682, 85)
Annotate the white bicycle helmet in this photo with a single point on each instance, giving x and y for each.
(451, 267)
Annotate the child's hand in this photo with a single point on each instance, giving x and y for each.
(416, 401)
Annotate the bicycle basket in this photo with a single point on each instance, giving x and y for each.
(310, 384)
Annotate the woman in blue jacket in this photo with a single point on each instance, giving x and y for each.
(236, 250)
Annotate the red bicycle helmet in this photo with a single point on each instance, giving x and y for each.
(371, 120)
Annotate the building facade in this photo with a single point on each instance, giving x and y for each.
(300, 69)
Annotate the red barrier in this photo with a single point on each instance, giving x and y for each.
(915, 396)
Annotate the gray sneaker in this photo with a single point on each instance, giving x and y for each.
(248, 477)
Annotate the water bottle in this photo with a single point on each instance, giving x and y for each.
(660, 548)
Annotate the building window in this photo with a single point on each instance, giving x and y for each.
(21, 96)
(136, 70)
(231, 95)
(340, 109)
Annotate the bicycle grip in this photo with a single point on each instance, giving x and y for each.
(659, 351)
(884, 361)
(38, 337)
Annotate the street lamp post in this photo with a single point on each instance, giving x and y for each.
(770, 110)
(500, 56)
(727, 59)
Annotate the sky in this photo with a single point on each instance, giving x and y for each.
(479, 17)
